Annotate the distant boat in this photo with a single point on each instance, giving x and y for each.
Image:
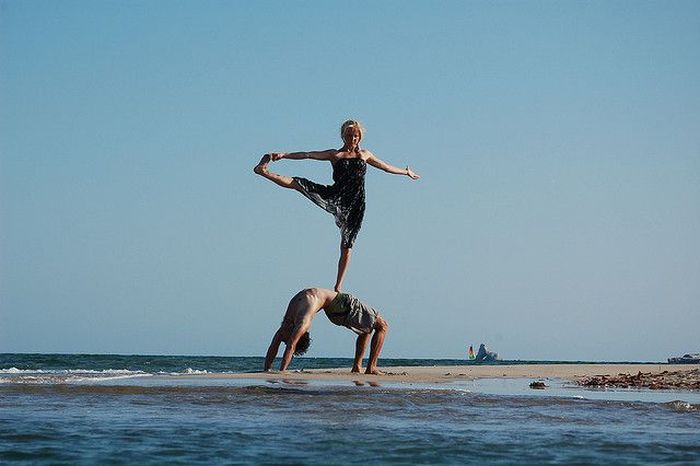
(484, 355)
(693, 358)
(471, 354)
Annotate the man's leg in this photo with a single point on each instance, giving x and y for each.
(380, 330)
(360, 348)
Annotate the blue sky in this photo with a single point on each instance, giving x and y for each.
(557, 216)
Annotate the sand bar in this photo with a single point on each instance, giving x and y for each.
(437, 374)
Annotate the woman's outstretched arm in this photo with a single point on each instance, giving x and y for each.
(382, 165)
(316, 155)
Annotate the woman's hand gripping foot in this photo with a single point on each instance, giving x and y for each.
(261, 167)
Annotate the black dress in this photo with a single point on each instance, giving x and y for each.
(345, 198)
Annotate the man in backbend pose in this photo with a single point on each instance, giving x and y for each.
(342, 309)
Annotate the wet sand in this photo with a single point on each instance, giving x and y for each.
(437, 374)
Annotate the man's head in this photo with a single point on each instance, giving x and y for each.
(302, 344)
(285, 332)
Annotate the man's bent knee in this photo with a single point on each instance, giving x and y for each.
(381, 325)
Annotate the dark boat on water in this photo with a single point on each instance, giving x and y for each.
(693, 358)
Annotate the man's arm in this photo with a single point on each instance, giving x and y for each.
(272, 350)
(298, 331)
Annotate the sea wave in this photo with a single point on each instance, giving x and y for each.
(189, 370)
(14, 370)
(682, 406)
(62, 376)
(58, 376)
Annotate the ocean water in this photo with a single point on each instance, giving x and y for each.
(96, 365)
(80, 409)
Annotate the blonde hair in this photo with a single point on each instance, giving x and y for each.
(351, 124)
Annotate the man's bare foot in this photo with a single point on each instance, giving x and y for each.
(356, 369)
(261, 167)
(374, 371)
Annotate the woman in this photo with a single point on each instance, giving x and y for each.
(345, 198)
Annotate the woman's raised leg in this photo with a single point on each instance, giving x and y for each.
(281, 180)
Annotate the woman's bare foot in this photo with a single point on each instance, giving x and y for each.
(356, 369)
(261, 167)
(374, 371)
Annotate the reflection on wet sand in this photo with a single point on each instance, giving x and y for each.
(295, 382)
(361, 383)
(288, 381)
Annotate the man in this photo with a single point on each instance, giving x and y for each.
(342, 309)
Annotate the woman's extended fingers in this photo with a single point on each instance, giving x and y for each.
(412, 174)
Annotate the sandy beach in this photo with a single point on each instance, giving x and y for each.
(437, 374)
